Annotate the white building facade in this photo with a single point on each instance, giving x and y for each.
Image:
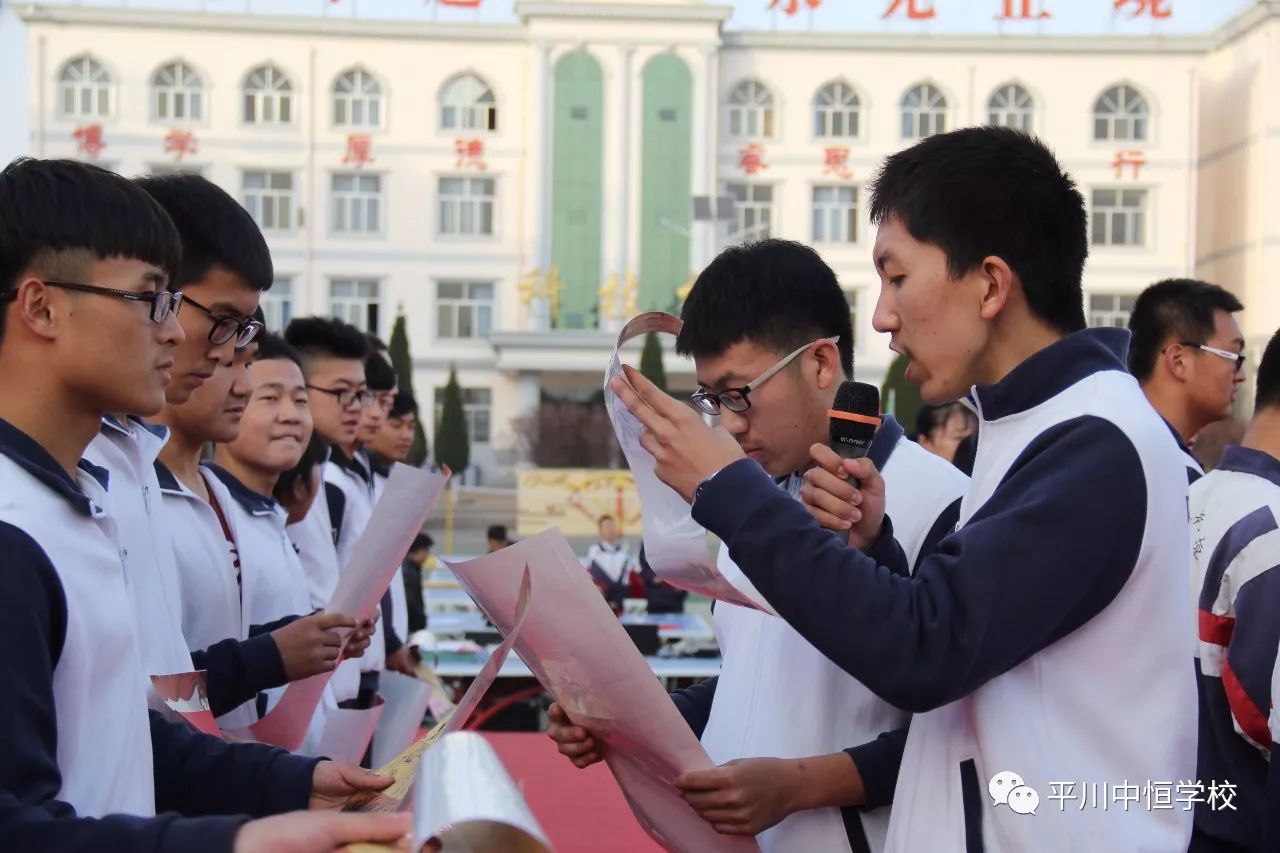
(516, 183)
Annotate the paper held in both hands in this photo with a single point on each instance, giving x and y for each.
(573, 643)
(675, 545)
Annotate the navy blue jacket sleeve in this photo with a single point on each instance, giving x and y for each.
(878, 762)
(237, 670)
(33, 606)
(1006, 585)
(198, 774)
(255, 630)
(694, 703)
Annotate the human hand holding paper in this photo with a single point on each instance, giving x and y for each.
(685, 449)
(573, 742)
(358, 642)
(334, 783)
(311, 645)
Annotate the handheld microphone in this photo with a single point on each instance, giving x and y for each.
(855, 416)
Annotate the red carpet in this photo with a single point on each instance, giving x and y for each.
(582, 811)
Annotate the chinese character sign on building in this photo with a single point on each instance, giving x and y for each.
(359, 150)
(89, 140)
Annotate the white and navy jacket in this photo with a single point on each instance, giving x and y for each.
(1046, 637)
(765, 659)
(271, 577)
(128, 452)
(240, 659)
(77, 737)
(1235, 563)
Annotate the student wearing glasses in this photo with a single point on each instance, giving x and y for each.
(769, 330)
(333, 360)
(86, 765)
(128, 448)
(1187, 352)
(227, 265)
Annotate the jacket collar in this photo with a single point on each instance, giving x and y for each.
(251, 501)
(1053, 370)
(30, 456)
(1246, 460)
(885, 440)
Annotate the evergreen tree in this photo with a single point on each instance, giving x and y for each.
(453, 445)
(398, 349)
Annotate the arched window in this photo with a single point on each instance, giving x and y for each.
(357, 100)
(467, 103)
(84, 89)
(1120, 114)
(268, 96)
(836, 111)
(750, 111)
(177, 93)
(924, 112)
(1011, 106)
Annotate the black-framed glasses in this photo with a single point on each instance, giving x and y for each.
(164, 304)
(1237, 358)
(347, 396)
(228, 326)
(738, 399)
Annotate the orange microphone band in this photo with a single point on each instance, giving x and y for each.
(852, 416)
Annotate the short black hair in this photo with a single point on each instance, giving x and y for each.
(376, 343)
(403, 404)
(319, 337)
(993, 191)
(1267, 393)
(315, 455)
(497, 531)
(215, 229)
(929, 418)
(775, 293)
(272, 346)
(422, 542)
(379, 373)
(1177, 307)
(58, 215)
(602, 519)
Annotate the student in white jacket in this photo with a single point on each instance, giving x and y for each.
(809, 754)
(1045, 640)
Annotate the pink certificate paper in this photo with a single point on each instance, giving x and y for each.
(674, 544)
(580, 653)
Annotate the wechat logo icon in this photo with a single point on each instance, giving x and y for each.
(1008, 789)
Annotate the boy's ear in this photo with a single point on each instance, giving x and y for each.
(33, 308)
